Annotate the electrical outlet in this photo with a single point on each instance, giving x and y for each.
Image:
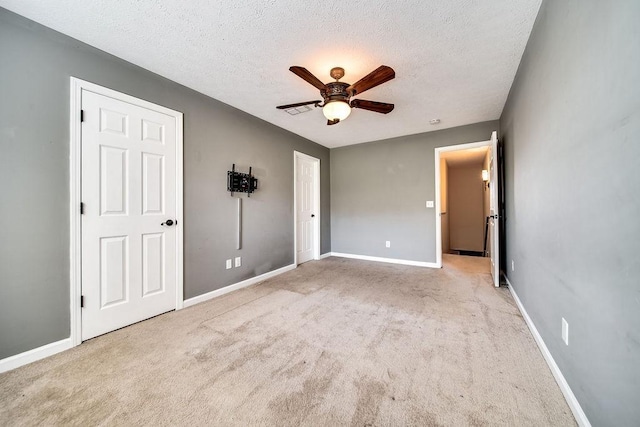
(388, 244)
(513, 266)
(238, 261)
(429, 203)
(229, 264)
(565, 331)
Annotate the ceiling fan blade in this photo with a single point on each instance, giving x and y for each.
(299, 104)
(378, 107)
(333, 122)
(376, 77)
(306, 75)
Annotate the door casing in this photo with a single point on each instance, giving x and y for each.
(495, 218)
(438, 208)
(75, 197)
(316, 190)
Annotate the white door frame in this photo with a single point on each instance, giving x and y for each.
(75, 175)
(438, 211)
(494, 208)
(316, 190)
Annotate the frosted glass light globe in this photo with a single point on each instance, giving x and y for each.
(336, 110)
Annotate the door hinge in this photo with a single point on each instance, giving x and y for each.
(81, 208)
(81, 301)
(81, 116)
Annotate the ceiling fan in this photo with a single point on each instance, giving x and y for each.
(337, 95)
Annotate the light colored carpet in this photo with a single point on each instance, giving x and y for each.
(334, 342)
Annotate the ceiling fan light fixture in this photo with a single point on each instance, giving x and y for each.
(337, 95)
(333, 110)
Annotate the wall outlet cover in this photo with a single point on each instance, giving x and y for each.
(429, 203)
(229, 265)
(238, 261)
(388, 244)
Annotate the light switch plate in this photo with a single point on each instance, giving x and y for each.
(229, 265)
(238, 261)
(429, 203)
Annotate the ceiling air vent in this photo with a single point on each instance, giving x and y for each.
(298, 110)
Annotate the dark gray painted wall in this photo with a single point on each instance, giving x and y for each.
(379, 190)
(571, 129)
(34, 171)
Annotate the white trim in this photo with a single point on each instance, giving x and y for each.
(438, 210)
(388, 260)
(179, 211)
(316, 190)
(75, 225)
(494, 209)
(574, 405)
(75, 175)
(236, 286)
(327, 255)
(30, 356)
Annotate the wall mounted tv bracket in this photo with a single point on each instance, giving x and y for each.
(238, 182)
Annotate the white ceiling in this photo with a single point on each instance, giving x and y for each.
(454, 59)
(465, 157)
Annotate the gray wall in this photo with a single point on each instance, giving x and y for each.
(571, 129)
(34, 170)
(379, 190)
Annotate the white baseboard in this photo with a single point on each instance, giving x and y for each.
(389, 260)
(573, 403)
(27, 357)
(326, 255)
(252, 281)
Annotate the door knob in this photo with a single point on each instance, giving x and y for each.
(313, 216)
(169, 222)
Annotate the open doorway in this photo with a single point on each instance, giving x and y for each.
(465, 202)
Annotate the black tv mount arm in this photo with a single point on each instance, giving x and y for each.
(238, 182)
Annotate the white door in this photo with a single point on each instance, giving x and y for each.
(494, 228)
(128, 196)
(306, 210)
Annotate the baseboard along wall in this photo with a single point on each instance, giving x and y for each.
(34, 355)
(388, 260)
(252, 281)
(574, 405)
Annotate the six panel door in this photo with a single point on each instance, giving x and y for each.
(128, 192)
(305, 201)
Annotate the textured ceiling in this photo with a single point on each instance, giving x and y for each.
(454, 59)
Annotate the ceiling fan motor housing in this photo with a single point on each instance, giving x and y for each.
(335, 91)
